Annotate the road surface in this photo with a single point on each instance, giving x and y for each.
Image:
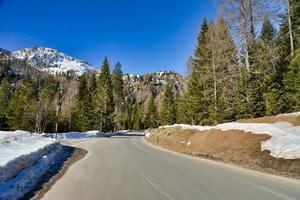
(127, 168)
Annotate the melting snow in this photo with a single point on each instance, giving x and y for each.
(284, 141)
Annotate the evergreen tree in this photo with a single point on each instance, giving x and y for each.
(45, 106)
(292, 83)
(138, 118)
(150, 115)
(268, 31)
(79, 115)
(89, 101)
(104, 102)
(21, 111)
(168, 112)
(195, 98)
(5, 96)
(118, 94)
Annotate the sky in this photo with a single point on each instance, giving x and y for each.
(144, 35)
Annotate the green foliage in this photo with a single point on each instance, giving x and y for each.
(118, 94)
(292, 82)
(21, 111)
(150, 115)
(5, 96)
(104, 102)
(168, 112)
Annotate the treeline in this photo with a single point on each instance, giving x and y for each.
(237, 71)
(26, 103)
(104, 103)
(259, 77)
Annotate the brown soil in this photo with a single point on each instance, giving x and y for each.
(234, 146)
(295, 120)
(77, 155)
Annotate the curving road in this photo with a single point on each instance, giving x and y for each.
(127, 168)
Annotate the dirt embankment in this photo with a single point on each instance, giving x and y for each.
(234, 146)
(293, 119)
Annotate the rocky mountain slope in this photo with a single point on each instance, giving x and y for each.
(51, 61)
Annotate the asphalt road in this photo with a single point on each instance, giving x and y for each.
(126, 168)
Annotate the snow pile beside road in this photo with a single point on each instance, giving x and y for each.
(74, 135)
(83, 135)
(24, 159)
(284, 141)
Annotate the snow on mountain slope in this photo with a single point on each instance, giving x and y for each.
(52, 61)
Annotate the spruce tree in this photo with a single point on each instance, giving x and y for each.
(150, 115)
(5, 96)
(195, 98)
(292, 83)
(79, 115)
(118, 94)
(21, 111)
(104, 102)
(168, 111)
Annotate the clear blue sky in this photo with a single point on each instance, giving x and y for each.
(144, 35)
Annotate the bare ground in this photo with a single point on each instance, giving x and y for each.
(293, 119)
(234, 146)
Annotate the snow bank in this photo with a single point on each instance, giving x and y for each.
(24, 158)
(19, 150)
(83, 135)
(291, 114)
(74, 135)
(284, 141)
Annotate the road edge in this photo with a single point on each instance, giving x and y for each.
(230, 166)
(76, 156)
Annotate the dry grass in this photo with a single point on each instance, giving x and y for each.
(295, 120)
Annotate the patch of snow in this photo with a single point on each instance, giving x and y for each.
(18, 143)
(83, 135)
(74, 135)
(284, 141)
(290, 114)
(52, 61)
(24, 159)
(147, 134)
(27, 179)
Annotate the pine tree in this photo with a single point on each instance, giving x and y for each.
(89, 101)
(292, 82)
(195, 98)
(118, 93)
(104, 102)
(268, 32)
(5, 96)
(150, 115)
(138, 118)
(168, 112)
(79, 115)
(21, 111)
(45, 104)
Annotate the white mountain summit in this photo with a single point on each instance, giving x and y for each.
(52, 61)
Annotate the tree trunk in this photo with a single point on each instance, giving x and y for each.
(245, 34)
(290, 27)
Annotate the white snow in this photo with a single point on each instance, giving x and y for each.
(52, 61)
(290, 114)
(74, 135)
(24, 158)
(83, 135)
(18, 143)
(284, 141)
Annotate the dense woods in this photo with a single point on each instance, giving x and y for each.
(244, 65)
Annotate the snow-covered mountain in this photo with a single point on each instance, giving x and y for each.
(52, 61)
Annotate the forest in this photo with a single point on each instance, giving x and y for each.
(246, 64)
